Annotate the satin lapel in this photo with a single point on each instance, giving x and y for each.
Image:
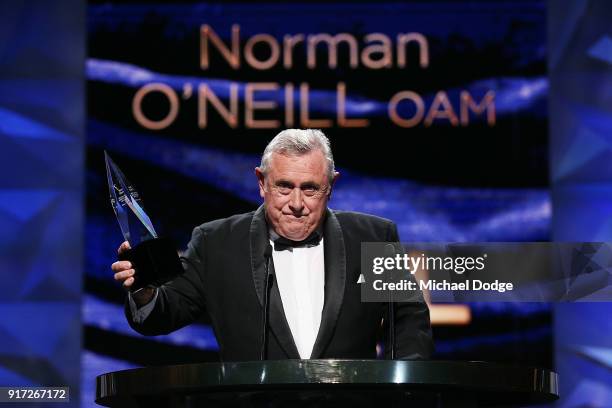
(277, 320)
(259, 238)
(335, 280)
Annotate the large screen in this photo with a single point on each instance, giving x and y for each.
(436, 112)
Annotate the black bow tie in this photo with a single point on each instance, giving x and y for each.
(282, 243)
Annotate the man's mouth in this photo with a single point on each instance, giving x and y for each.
(297, 217)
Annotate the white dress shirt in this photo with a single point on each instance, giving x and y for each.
(300, 274)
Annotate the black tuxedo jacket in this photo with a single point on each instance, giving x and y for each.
(225, 275)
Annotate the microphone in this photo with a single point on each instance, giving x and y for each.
(266, 306)
(389, 253)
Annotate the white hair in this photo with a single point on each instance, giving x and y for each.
(298, 142)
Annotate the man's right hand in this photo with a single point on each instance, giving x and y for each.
(125, 274)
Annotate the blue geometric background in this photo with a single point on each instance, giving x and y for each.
(580, 70)
(42, 49)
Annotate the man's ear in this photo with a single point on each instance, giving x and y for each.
(333, 182)
(260, 180)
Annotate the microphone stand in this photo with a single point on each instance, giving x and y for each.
(390, 252)
(266, 305)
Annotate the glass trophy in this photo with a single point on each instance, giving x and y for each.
(155, 259)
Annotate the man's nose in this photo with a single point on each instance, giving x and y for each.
(296, 202)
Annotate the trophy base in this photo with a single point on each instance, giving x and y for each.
(156, 262)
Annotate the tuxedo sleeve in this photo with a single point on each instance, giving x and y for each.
(139, 314)
(180, 301)
(413, 337)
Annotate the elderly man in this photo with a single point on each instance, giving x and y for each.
(315, 308)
